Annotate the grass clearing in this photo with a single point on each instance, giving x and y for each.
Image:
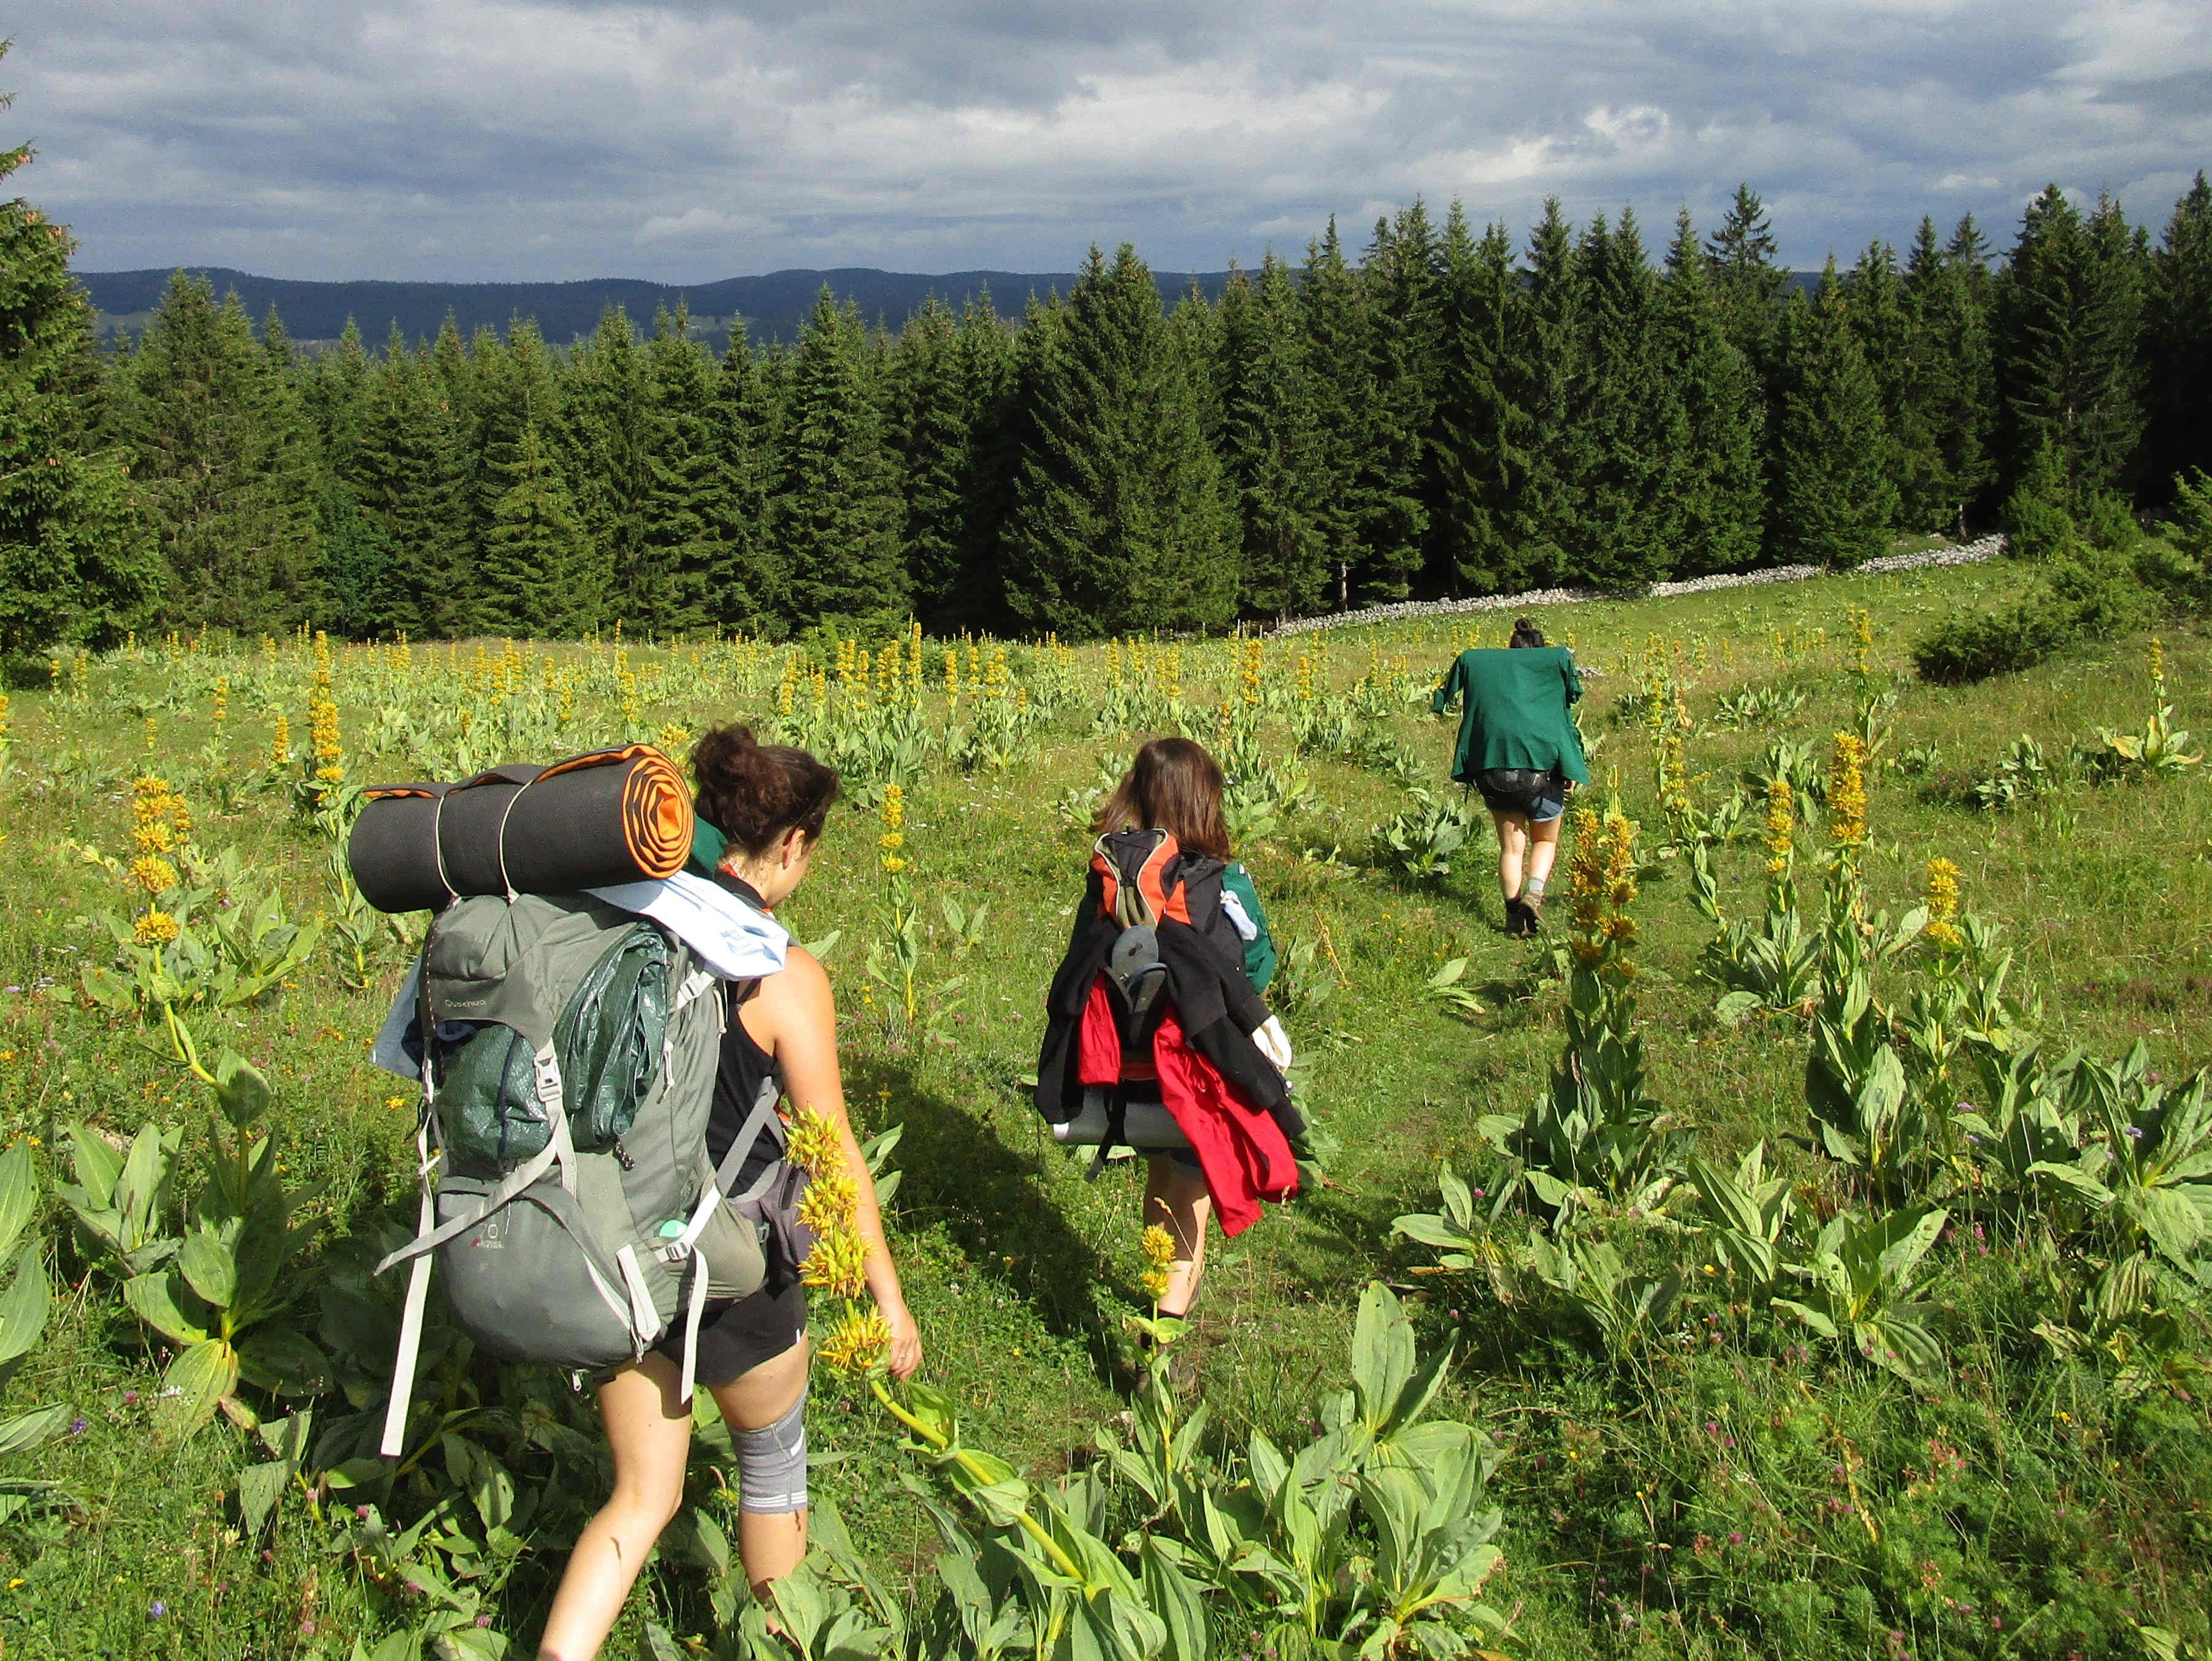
(1716, 1491)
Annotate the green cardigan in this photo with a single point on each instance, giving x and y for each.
(1517, 711)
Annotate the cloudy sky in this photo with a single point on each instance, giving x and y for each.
(506, 139)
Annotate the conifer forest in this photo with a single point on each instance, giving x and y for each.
(1795, 1243)
(1444, 410)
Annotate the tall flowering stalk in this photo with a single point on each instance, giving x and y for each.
(1781, 846)
(896, 960)
(1941, 930)
(161, 825)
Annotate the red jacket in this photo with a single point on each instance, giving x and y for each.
(1241, 1149)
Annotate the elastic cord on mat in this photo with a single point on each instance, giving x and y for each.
(504, 880)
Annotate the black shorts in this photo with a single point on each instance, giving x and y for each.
(737, 1337)
(1542, 795)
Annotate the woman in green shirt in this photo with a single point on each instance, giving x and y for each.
(1518, 746)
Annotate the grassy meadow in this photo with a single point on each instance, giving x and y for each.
(1720, 1481)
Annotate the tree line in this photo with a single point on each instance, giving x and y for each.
(1443, 411)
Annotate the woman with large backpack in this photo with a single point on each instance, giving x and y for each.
(761, 809)
(1174, 792)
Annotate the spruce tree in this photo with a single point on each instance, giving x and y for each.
(1481, 431)
(535, 544)
(409, 473)
(1550, 374)
(744, 592)
(989, 366)
(2178, 346)
(1723, 487)
(680, 536)
(516, 410)
(1835, 501)
(1942, 423)
(1270, 444)
(1749, 284)
(1396, 482)
(604, 435)
(1874, 310)
(929, 419)
(834, 519)
(1119, 520)
(2069, 317)
(222, 464)
(1330, 300)
(1631, 425)
(75, 563)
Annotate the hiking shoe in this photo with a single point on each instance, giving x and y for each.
(1518, 921)
(1532, 915)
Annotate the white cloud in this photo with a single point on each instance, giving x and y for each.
(690, 139)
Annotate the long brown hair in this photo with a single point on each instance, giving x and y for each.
(1173, 785)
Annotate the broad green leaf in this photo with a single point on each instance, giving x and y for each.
(277, 1359)
(240, 1089)
(1429, 1229)
(1904, 1347)
(1812, 1318)
(2073, 1177)
(209, 1266)
(145, 1174)
(23, 1305)
(1907, 1236)
(28, 1430)
(154, 1298)
(2168, 1218)
(259, 1487)
(200, 1377)
(470, 1643)
(19, 1195)
(1734, 1007)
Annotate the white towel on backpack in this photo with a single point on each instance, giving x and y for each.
(736, 941)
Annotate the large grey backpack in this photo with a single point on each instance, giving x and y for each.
(569, 1050)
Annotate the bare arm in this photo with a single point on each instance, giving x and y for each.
(795, 1020)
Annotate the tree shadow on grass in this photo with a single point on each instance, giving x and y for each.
(993, 1199)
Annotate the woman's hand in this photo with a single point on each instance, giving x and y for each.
(906, 1343)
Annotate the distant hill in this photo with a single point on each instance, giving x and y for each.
(771, 306)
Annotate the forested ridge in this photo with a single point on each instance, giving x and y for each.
(1445, 410)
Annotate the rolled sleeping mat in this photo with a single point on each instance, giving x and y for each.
(393, 850)
(1144, 1125)
(610, 816)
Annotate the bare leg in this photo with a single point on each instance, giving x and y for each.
(769, 1544)
(650, 1434)
(1512, 845)
(1544, 847)
(1177, 1200)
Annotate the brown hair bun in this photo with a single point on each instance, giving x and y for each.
(755, 793)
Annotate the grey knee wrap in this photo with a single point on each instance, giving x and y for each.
(772, 1465)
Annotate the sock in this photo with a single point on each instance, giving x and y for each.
(1533, 889)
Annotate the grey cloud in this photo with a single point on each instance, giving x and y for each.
(687, 140)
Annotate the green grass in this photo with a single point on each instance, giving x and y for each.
(1715, 1497)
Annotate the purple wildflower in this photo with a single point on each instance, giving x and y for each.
(159, 1610)
(77, 1426)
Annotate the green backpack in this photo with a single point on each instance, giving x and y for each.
(569, 1056)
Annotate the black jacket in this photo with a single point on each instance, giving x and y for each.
(1215, 1003)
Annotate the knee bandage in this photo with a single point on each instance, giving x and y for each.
(772, 1465)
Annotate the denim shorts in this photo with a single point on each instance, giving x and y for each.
(1543, 796)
